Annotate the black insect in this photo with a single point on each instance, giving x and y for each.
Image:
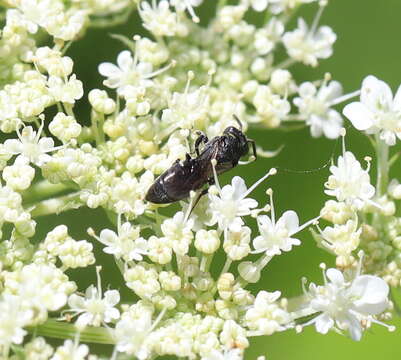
(193, 173)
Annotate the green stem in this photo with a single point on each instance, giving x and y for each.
(382, 151)
(43, 189)
(56, 205)
(61, 330)
(113, 21)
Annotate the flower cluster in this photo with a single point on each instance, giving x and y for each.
(185, 75)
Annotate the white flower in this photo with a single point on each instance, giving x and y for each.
(233, 336)
(71, 351)
(277, 236)
(265, 316)
(306, 46)
(207, 241)
(143, 279)
(236, 243)
(347, 305)
(65, 127)
(178, 232)
(231, 204)
(101, 102)
(126, 244)
(66, 91)
(12, 320)
(267, 37)
(128, 72)
(187, 110)
(93, 309)
(342, 239)
(349, 182)
(378, 110)
(160, 20)
(19, 175)
(271, 107)
(31, 146)
(314, 106)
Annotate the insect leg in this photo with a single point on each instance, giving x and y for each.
(252, 142)
(252, 158)
(204, 192)
(201, 139)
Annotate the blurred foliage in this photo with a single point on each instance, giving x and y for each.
(368, 42)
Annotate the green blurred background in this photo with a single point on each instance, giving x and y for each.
(369, 42)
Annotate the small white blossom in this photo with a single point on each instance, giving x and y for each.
(267, 37)
(347, 305)
(314, 106)
(133, 328)
(71, 351)
(187, 110)
(342, 239)
(74, 254)
(52, 62)
(349, 182)
(377, 111)
(13, 318)
(126, 244)
(101, 102)
(207, 241)
(64, 127)
(143, 279)
(94, 309)
(233, 335)
(66, 91)
(128, 72)
(236, 243)
(31, 146)
(270, 107)
(179, 232)
(19, 175)
(277, 236)
(265, 316)
(160, 249)
(306, 46)
(38, 349)
(230, 205)
(160, 20)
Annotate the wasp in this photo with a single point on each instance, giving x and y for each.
(194, 172)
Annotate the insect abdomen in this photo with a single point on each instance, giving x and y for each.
(157, 193)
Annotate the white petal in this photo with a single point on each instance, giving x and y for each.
(375, 92)
(13, 146)
(323, 323)
(359, 115)
(335, 276)
(108, 69)
(124, 60)
(239, 187)
(372, 293)
(290, 218)
(260, 243)
(112, 297)
(108, 237)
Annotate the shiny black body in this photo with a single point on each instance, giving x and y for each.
(193, 173)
